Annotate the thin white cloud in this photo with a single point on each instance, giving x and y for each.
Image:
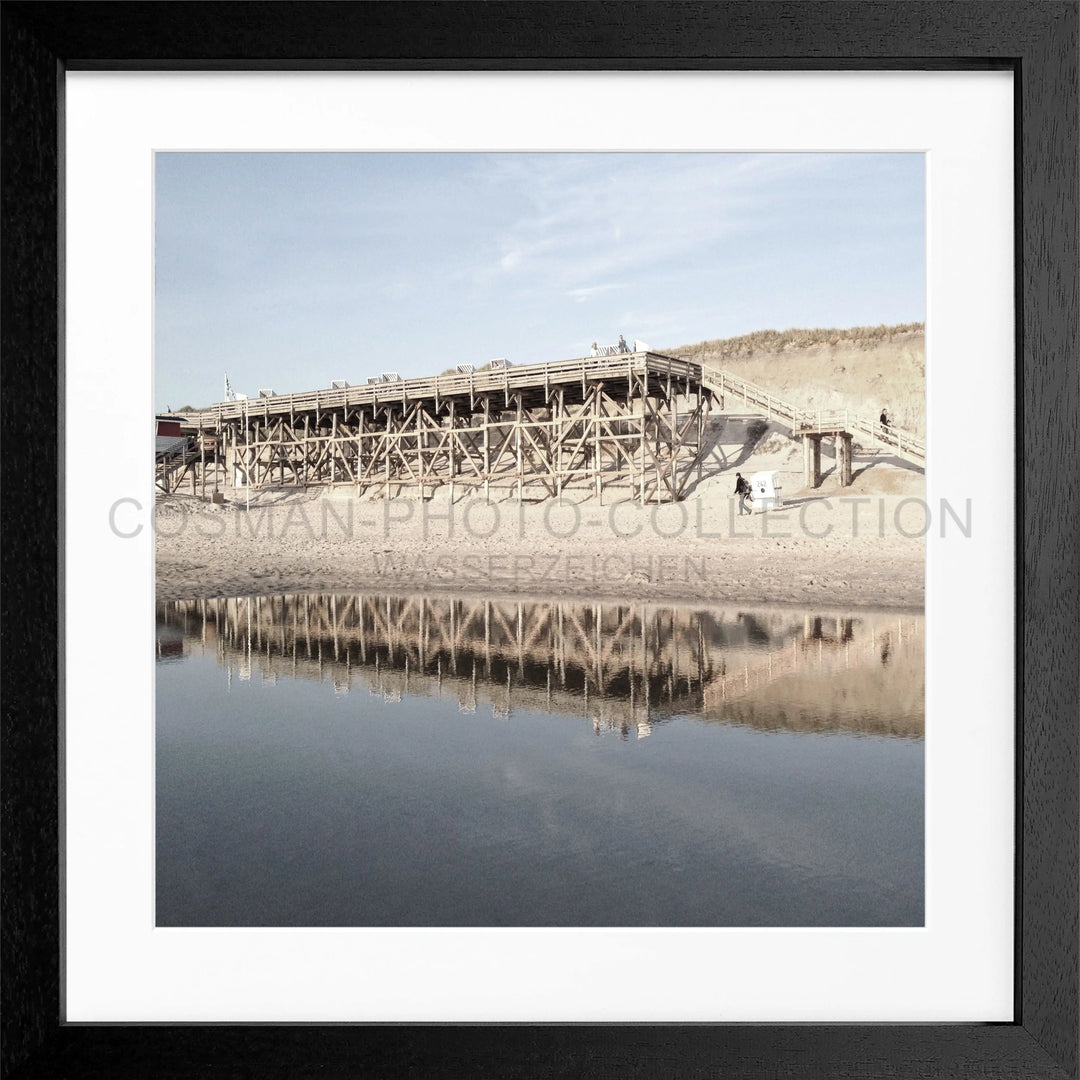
(584, 218)
(589, 291)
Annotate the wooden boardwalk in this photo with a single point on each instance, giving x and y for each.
(632, 422)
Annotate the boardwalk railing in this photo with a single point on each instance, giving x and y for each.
(822, 423)
(753, 397)
(525, 377)
(905, 444)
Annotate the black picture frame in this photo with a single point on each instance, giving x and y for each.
(1038, 41)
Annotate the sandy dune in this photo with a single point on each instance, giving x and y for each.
(837, 370)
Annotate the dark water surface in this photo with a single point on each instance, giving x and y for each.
(451, 761)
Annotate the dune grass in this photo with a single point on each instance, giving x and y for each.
(778, 340)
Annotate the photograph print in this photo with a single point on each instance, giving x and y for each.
(540, 539)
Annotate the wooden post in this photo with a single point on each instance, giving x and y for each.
(333, 449)
(676, 441)
(812, 460)
(596, 441)
(559, 431)
(656, 452)
(292, 435)
(453, 449)
(359, 449)
(230, 455)
(641, 437)
(307, 447)
(844, 455)
(386, 452)
(487, 448)
(702, 403)
(251, 451)
(520, 459)
(420, 448)
(223, 450)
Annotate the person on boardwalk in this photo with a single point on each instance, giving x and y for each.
(743, 490)
(622, 344)
(883, 419)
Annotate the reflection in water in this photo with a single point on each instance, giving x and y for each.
(625, 667)
(782, 784)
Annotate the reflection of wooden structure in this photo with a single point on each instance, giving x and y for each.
(624, 666)
(632, 421)
(816, 648)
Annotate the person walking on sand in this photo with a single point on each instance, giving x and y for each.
(742, 489)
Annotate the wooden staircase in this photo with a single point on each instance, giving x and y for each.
(904, 444)
(171, 465)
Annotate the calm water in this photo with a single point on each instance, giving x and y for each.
(450, 761)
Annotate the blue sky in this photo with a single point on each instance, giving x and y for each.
(290, 270)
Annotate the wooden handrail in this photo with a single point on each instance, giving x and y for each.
(531, 376)
(723, 382)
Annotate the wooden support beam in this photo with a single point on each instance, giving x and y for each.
(487, 448)
(359, 448)
(596, 441)
(642, 446)
(843, 453)
(453, 449)
(333, 448)
(549, 435)
(386, 453)
(520, 460)
(812, 460)
(420, 446)
(559, 433)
